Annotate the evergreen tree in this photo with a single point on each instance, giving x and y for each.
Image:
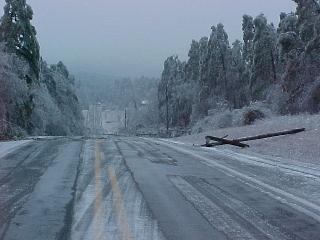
(300, 51)
(269, 65)
(237, 94)
(288, 23)
(224, 54)
(248, 35)
(201, 105)
(19, 35)
(307, 11)
(175, 94)
(217, 62)
(288, 38)
(264, 72)
(166, 89)
(193, 64)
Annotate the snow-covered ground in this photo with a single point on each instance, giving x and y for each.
(10, 146)
(302, 147)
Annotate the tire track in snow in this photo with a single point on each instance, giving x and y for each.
(237, 207)
(300, 204)
(216, 216)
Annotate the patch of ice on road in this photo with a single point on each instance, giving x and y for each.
(10, 146)
(43, 214)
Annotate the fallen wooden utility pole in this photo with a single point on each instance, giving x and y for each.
(238, 142)
(223, 141)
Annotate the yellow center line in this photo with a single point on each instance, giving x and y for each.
(99, 207)
(117, 199)
(118, 205)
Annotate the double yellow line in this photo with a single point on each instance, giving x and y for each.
(117, 199)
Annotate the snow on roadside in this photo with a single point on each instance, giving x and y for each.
(10, 146)
(301, 147)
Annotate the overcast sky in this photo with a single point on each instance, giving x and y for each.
(134, 37)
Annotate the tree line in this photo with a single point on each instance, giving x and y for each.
(35, 98)
(277, 65)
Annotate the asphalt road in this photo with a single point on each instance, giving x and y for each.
(136, 188)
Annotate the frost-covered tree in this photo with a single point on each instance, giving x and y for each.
(307, 11)
(300, 50)
(264, 67)
(33, 97)
(203, 55)
(248, 35)
(238, 91)
(224, 54)
(288, 23)
(193, 64)
(201, 105)
(18, 40)
(278, 66)
(175, 94)
(61, 90)
(19, 35)
(14, 95)
(287, 38)
(218, 57)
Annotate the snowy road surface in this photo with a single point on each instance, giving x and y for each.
(9, 146)
(136, 188)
